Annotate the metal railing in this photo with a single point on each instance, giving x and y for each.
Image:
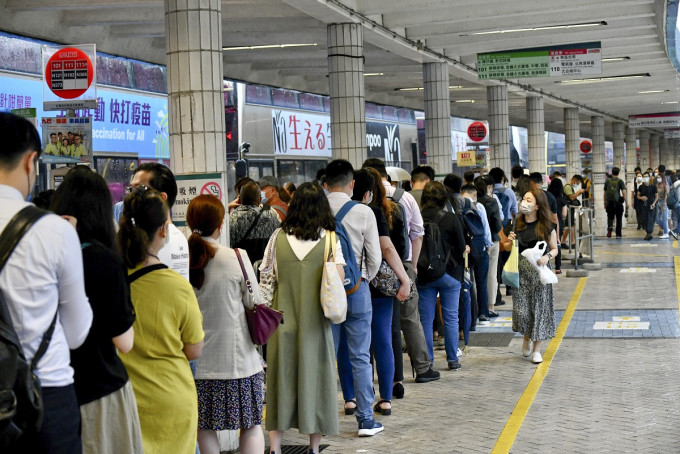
(583, 236)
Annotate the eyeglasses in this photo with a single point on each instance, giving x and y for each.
(140, 188)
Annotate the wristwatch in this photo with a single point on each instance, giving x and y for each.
(550, 255)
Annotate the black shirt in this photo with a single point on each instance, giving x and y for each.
(98, 371)
(452, 239)
(648, 190)
(551, 201)
(493, 215)
(527, 238)
(383, 230)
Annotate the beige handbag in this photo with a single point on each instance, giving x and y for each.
(332, 295)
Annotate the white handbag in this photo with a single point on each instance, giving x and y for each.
(332, 295)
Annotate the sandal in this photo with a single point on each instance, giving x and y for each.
(383, 411)
(350, 410)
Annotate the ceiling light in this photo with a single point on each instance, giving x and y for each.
(471, 101)
(601, 79)
(646, 92)
(373, 74)
(451, 87)
(534, 29)
(671, 102)
(269, 46)
(614, 59)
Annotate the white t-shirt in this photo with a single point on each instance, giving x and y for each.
(175, 253)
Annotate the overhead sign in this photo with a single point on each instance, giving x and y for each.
(658, 120)
(69, 77)
(554, 61)
(466, 159)
(586, 146)
(300, 133)
(191, 186)
(382, 141)
(672, 133)
(476, 131)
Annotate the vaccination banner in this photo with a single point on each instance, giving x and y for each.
(125, 121)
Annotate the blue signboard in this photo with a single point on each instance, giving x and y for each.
(124, 121)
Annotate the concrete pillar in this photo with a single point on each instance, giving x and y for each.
(437, 117)
(619, 147)
(499, 127)
(631, 161)
(673, 158)
(195, 96)
(193, 31)
(663, 151)
(536, 133)
(597, 128)
(644, 149)
(572, 138)
(346, 79)
(654, 153)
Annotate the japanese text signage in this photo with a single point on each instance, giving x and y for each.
(68, 77)
(660, 120)
(555, 61)
(301, 133)
(382, 141)
(476, 131)
(466, 159)
(191, 186)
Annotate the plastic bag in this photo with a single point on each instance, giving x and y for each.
(532, 255)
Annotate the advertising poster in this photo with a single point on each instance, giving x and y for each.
(382, 141)
(66, 140)
(466, 159)
(301, 133)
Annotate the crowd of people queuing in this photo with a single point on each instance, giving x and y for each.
(151, 350)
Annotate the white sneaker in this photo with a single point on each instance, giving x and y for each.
(459, 353)
(536, 358)
(526, 348)
(664, 236)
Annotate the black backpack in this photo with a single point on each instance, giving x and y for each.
(21, 406)
(399, 224)
(432, 261)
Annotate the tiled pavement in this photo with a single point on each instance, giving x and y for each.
(605, 390)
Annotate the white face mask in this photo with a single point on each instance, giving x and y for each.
(369, 199)
(645, 179)
(638, 179)
(576, 187)
(525, 207)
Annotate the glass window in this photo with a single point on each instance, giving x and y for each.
(373, 111)
(389, 113)
(298, 171)
(148, 77)
(285, 98)
(311, 102)
(258, 94)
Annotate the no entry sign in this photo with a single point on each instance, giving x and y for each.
(586, 146)
(476, 131)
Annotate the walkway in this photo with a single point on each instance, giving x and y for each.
(611, 386)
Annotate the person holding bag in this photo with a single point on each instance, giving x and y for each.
(301, 374)
(533, 308)
(229, 373)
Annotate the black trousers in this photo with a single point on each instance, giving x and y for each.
(614, 210)
(648, 218)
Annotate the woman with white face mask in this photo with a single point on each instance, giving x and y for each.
(648, 195)
(637, 204)
(533, 311)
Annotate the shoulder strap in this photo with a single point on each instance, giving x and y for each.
(16, 229)
(344, 210)
(252, 226)
(280, 209)
(243, 270)
(146, 270)
(398, 193)
(440, 215)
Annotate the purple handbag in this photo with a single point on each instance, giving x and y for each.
(262, 320)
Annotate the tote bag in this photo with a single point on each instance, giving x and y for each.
(510, 274)
(332, 294)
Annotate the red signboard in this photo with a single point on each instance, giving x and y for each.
(586, 146)
(476, 131)
(69, 73)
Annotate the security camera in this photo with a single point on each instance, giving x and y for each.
(245, 147)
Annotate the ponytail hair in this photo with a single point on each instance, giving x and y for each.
(205, 214)
(144, 212)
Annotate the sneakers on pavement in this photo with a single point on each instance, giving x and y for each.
(536, 358)
(454, 365)
(483, 320)
(664, 236)
(526, 348)
(429, 375)
(369, 427)
(674, 234)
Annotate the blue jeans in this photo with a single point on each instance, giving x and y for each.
(662, 218)
(381, 346)
(352, 346)
(481, 269)
(449, 294)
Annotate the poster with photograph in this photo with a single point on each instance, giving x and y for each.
(66, 140)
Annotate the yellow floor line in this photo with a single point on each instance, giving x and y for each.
(632, 253)
(675, 244)
(677, 281)
(512, 426)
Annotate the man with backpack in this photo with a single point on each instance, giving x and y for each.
(508, 200)
(409, 317)
(614, 198)
(355, 223)
(420, 176)
(44, 311)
